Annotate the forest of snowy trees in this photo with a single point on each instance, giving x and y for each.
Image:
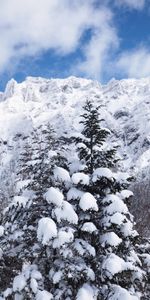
(67, 233)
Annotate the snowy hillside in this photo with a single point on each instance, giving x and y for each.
(125, 110)
(66, 231)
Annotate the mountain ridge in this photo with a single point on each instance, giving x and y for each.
(125, 110)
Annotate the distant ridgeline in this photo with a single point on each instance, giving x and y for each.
(67, 233)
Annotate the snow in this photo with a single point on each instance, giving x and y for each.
(33, 102)
(86, 292)
(110, 198)
(54, 196)
(88, 202)
(64, 236)
(76, 165)
(36, 275)
(84, 247)
(90, 274)
(21, 184)
(116, 206)
(44, 295)
(117, 219)
(34, 285)
(52, 153)
(111, 239)
(6, 293)
(57, 277)
(135, 258)
(81, 145)
(126, 194)
(144, 160)
(66, 212)
(61, 175)
(120, 293)
(80, 178)
(74, 194)
(19, 283)
(20, 200)
(121, 176)
(17, 234)
(47, 230)
(1, 230)
(27, 268)
(102, 172)
(113, 264)
(127, 229)
(146, 257)
(89, 227)
(28, 104)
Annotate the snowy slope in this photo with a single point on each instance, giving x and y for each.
(125, 110)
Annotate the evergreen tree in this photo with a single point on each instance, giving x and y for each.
(39, 226)
(22, 215)
(92, 139)
(109, 225)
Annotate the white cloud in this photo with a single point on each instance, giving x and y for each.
(133, 4)
(28, 27)
(135, 63)
(97, 53)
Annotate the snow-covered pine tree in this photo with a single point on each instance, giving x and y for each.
(22, 215)
(143, 250)
(39, 229)
(39, 156)
(121, 272)
(104, 220)
(91, 140)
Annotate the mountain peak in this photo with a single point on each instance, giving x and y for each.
(125, 109)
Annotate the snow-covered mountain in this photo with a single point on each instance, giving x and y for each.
(67, 232)
(125, 110)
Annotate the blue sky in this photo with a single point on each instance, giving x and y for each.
(97, 39)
